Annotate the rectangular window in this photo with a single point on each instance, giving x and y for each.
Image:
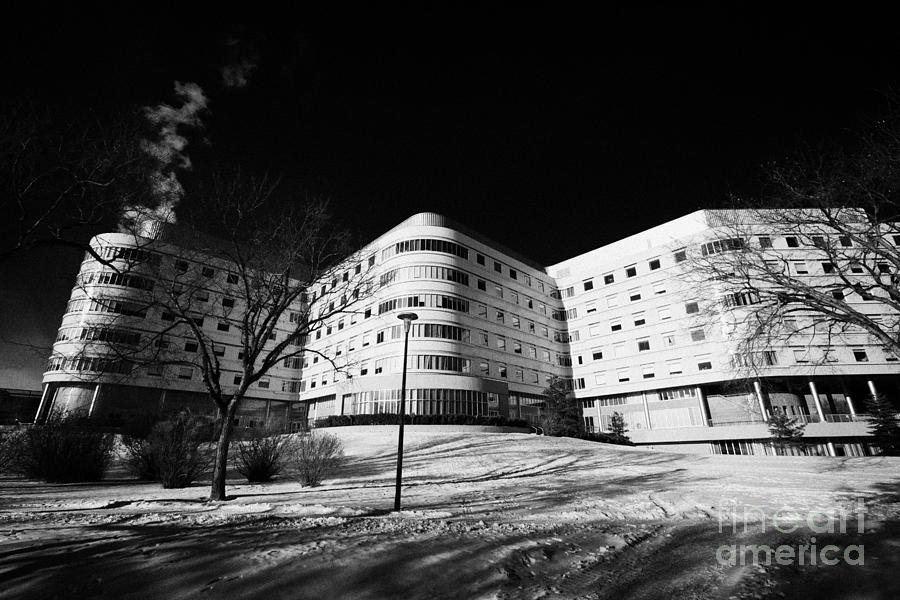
(697, 335)
(801, 355)
(648, 371)
(691, 308)
(631, 271)
(498, 267)
(600, 378)
(498, 291)
(619, 350)
(501, 343)
(623, 375)
(680, 255)
(185, 373)
(860, 355)
(615, 325)
(501, 370)
(481, 311)
(612, 301)
(639, 319)
(654, 264)
(846, 242)
(500, 316)
(800, 267)
(765, 242)
(609, 278)
(218, 350)
(479, 258)
(588, 285)
(827, 267)
(792, 242)
(207, 272)
(237, 380)
(190, 346)
(482, 285)
(513, 274)
(674, 366)
(664, 313)
(231, 278)
(643, 345)
(597, 354)
(669, 339)
(659, 288)
(634, 295)
(704, 366)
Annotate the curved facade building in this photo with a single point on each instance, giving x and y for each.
(489, 335)
(103, 361)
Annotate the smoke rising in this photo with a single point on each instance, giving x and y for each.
(168, 148)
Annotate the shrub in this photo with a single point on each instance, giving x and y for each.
(318, 454)
(173, 451)
(7, 439)
(605, 438)
(139, 458)
(61, 450)
(261, 456)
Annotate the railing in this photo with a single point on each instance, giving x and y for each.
(829, 418)
(713, 423)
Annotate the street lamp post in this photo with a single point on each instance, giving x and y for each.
(407, 319)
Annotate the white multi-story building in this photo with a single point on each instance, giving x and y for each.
(488, 338)
(622, 324)
(643, 347)
(118, 354)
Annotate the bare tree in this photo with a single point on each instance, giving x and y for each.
(264, 274)
(814, 261)
(63, 177)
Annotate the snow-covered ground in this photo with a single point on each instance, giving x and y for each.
(486, 515)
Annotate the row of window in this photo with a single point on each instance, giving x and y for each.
(119, 279)
(131, 255)
(106, 305)
(634, 295)
(424, 272)
(100, 334)
(674, 366)
(661, 395)
(91, 363)
(426, 245)
(427, 401)
(424, 301)
(447, 247)
(860, 355)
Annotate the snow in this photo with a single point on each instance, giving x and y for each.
(485, 515)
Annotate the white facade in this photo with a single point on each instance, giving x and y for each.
(485, 342)
(623, 323)
(111, 322)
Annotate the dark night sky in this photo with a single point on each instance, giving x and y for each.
(552, 131)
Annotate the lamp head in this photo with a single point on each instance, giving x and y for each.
(407, 319)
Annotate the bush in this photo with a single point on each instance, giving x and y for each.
(6, 451)
(139, 458)
(261, 456)
(173, 452)
(606, 438)
(318, 454)
(63, 449)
